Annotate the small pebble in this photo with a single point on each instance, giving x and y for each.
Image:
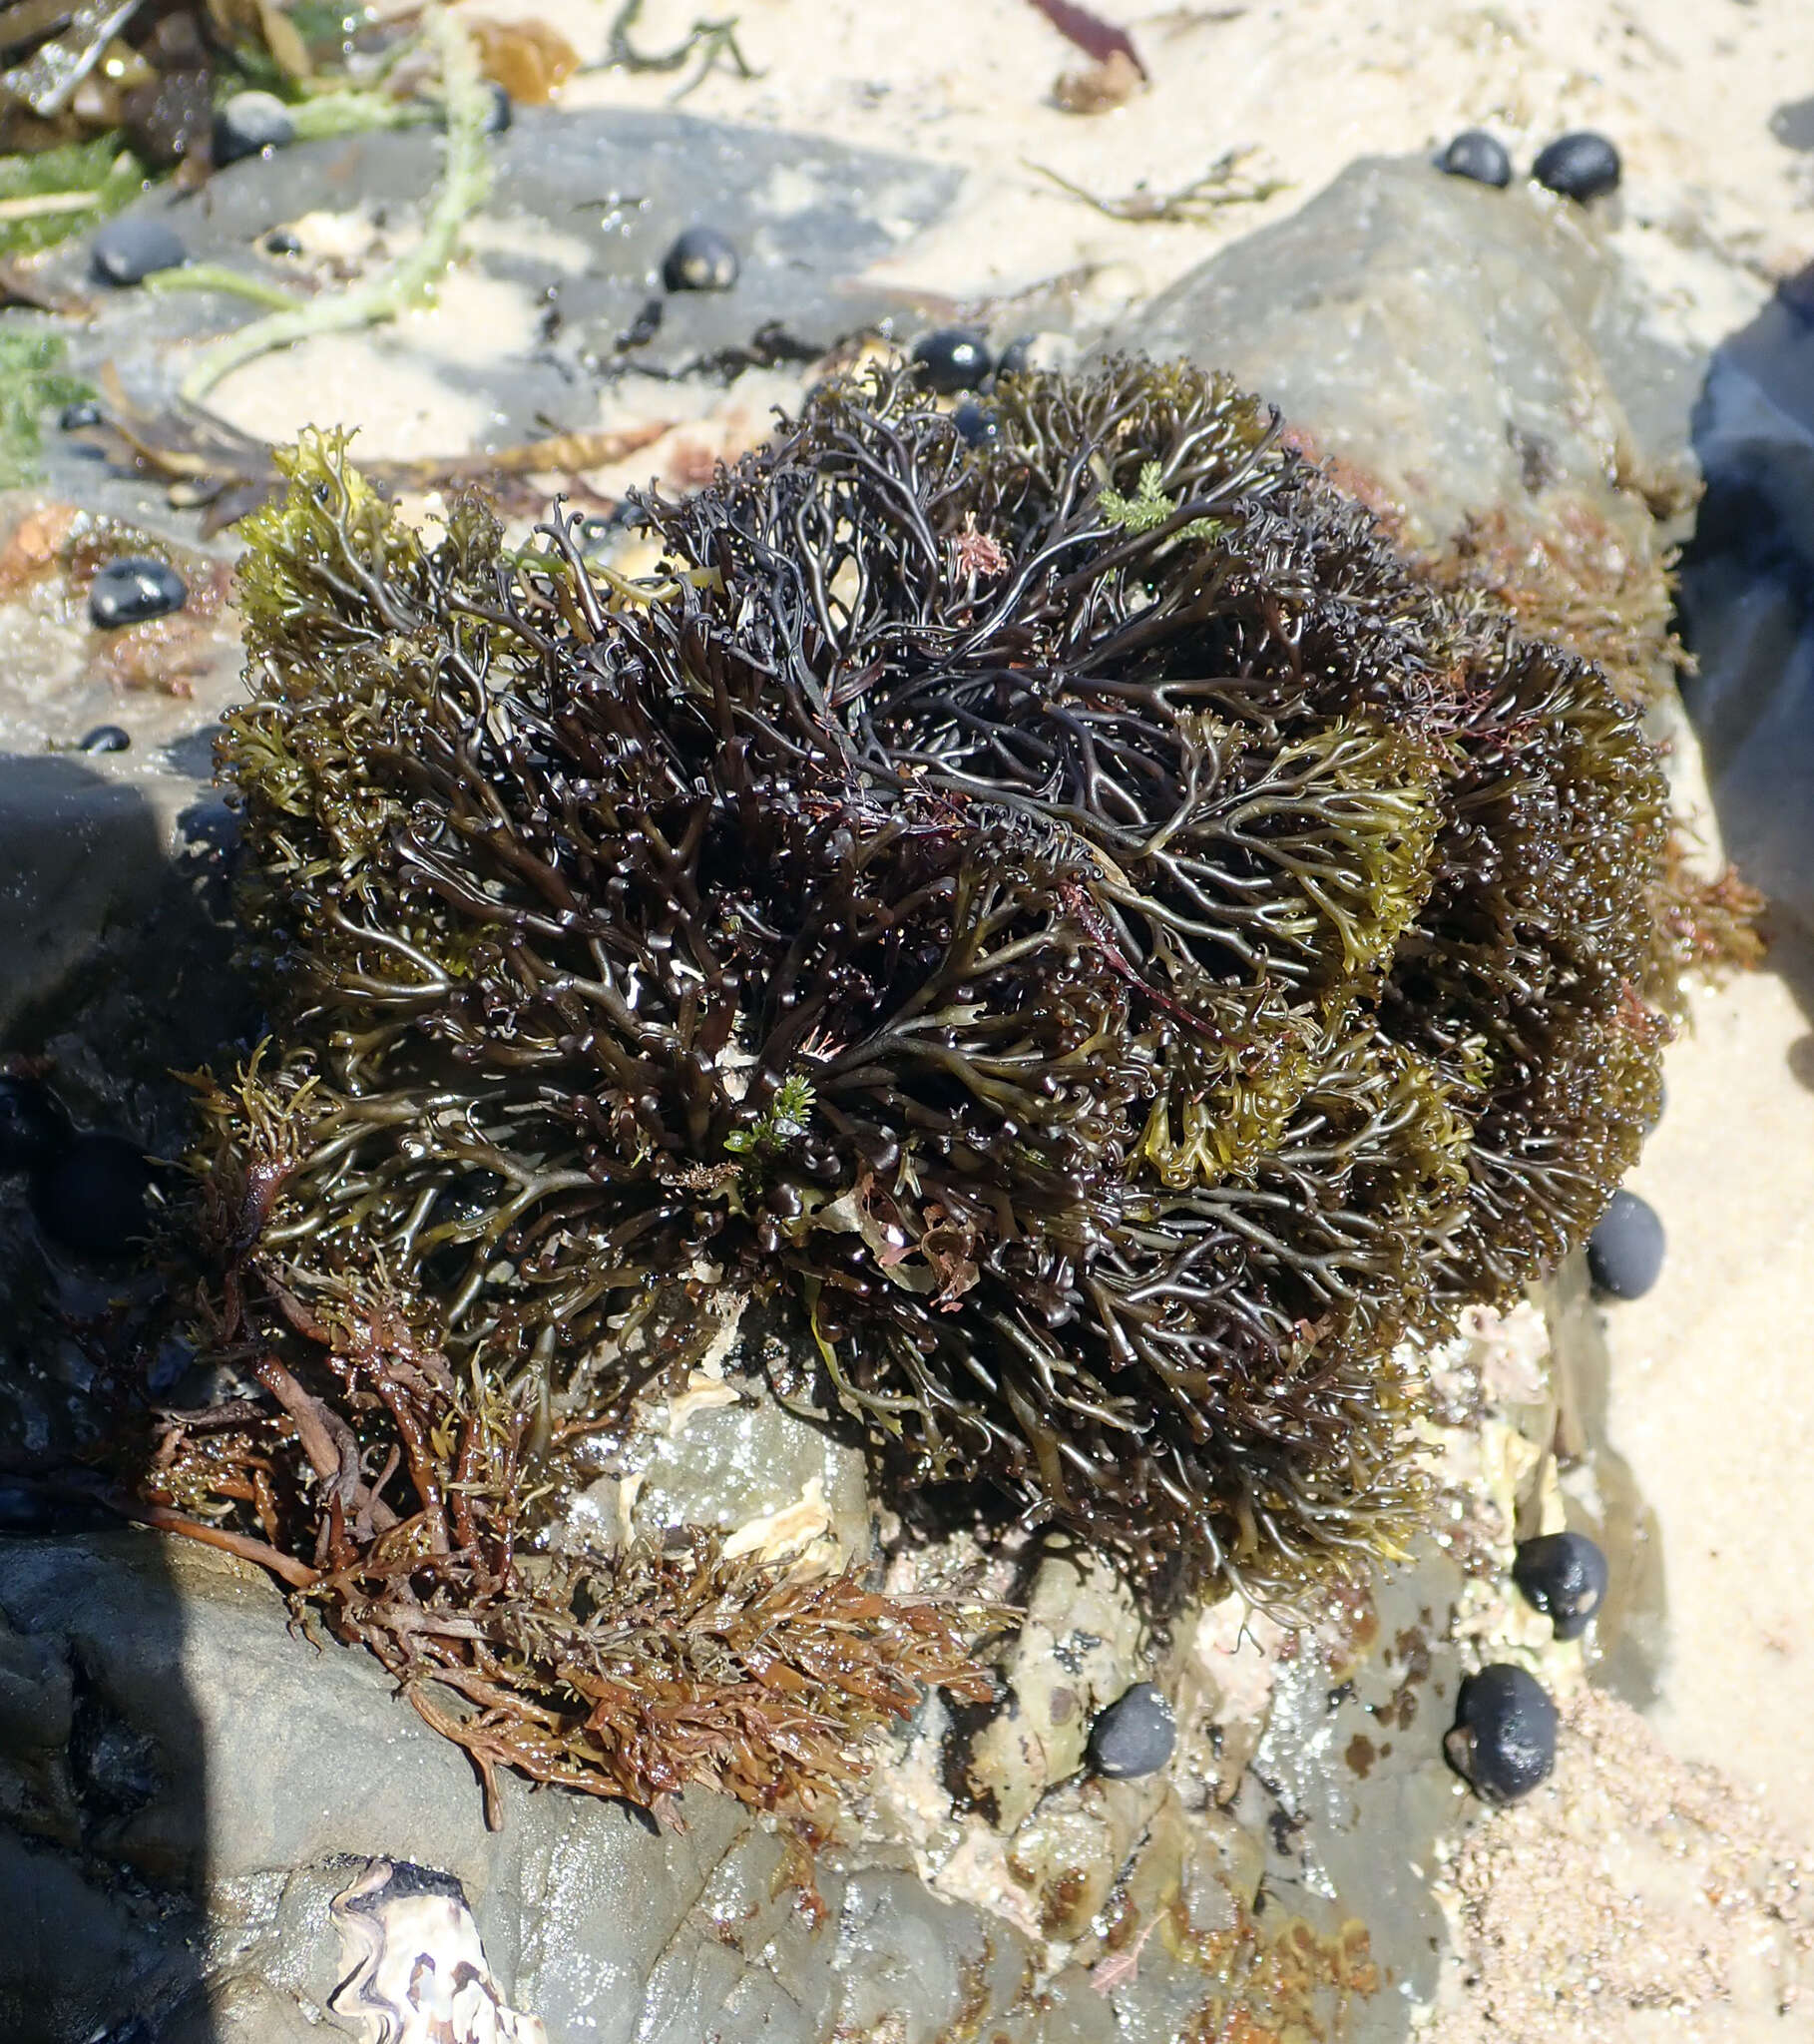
(1581, 166)
(500, 114)
(1562, 1575)
(1502, 1740)
(1626, 1252)
(84, 412)
(250, 123)
(106, 738)
(701, 260)
(1479, 157)
(127, 592)
(951, 360)
(129, 251)
(92, 1197)
(1133, 1736)
(33, 1125)
(977, 425)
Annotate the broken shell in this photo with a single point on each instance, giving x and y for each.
(415, 1970)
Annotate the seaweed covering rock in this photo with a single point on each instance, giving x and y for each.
(1075, 913)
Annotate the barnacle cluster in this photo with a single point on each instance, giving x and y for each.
(1078, 917)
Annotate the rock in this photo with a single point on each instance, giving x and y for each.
(1504, 1737)
(1477, 155)
(771, 1480)
(249, 123)
(1466, 350)
(1626, 1249)
(951, 360)
(823, 214)
(1792, 124)
(1348, 1788)
(85, 854)
(1076, 1652)
(92, 1197)
(601, 1926)
(1581, 166)
(130, 249)
(33, 1125)
(702, 259)
(1135, 1736)
(127, 591)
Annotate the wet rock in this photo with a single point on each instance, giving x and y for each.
(1562, 1575)
(101, 899)
(129, 250)
(249, 122)
(1076, 1652)
(92, 1197)
(129, 592)
(1626, 1249)
(951, 360)
(702, 259)
(823, 214)
(603, 1927)
(1068, 1855)
(1135, 1736)
(1630, 1633)
(106, 738)
(1502, 1740)
(33, 1125)
(1430, 332)
(1581, 166)
(773, 1481)
(1341, 1844)
(1478, 155)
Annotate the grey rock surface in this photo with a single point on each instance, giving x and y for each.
(597, 199)
(185, 1790)
(232, 1780)
(1466, 346)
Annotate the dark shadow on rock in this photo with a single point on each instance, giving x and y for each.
(1747, 609)
(103, 1811)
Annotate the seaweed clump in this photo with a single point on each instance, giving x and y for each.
(1081, 916)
